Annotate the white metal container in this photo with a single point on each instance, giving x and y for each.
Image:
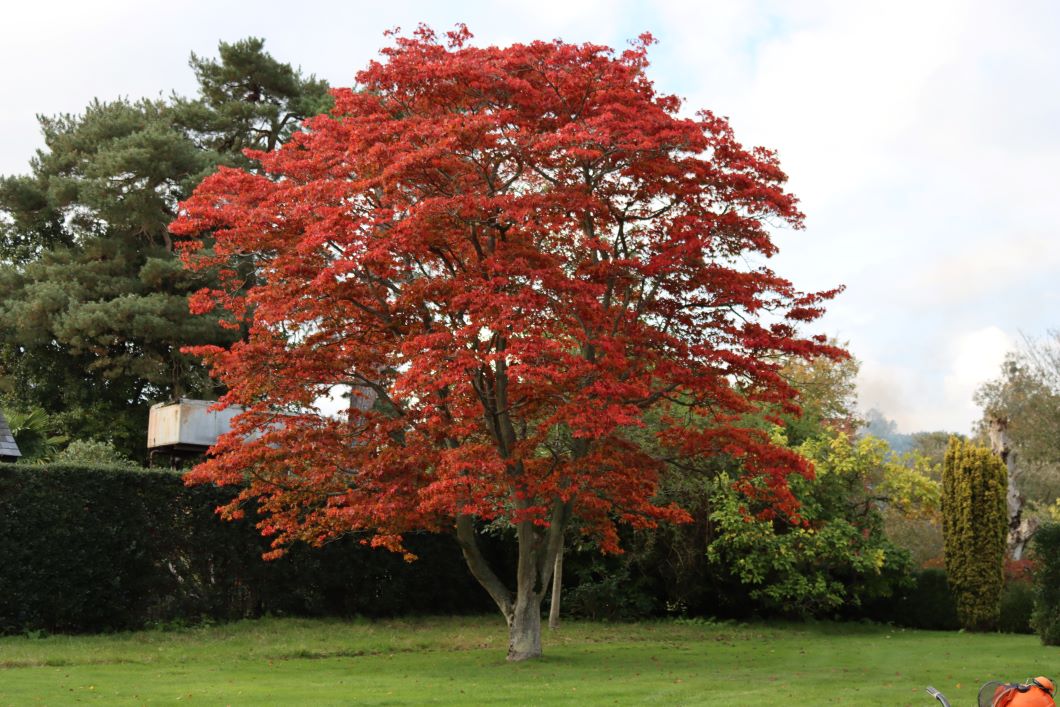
(188, 424)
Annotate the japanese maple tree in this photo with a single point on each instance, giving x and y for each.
(510, 256)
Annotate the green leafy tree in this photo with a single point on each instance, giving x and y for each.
(108, 308)
(1027, 397)
(836, 552)
(932, 447)
(839, 554)
(1021, 418)
(920, 532)
(974, 522)
(712, 564)
(827, 396)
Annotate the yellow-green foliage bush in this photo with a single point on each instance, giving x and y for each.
(836, 556)
(973, 525)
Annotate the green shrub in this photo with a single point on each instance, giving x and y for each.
(36, 433)
(92, 548)
(925, 603)
(1045, 548)
(974, 521)
(93, 452)
(1017, 599)
(602, 588)
(1017, 606)
(837, 557)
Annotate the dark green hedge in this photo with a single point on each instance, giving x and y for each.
(1017, 608)
(926, 603)
(1045, 547)
(98, 548)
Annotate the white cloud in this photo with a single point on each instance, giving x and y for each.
(974, 358)
(984, 270)
(918, 397)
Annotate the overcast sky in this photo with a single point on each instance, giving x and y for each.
(922, 137)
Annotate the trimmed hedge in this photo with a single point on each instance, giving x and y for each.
(90, 548)
(926, 604)
(1045, 548)
(1017, 607)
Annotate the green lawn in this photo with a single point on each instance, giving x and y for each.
(461, 661)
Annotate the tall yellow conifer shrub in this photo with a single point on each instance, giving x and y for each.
(974, 522)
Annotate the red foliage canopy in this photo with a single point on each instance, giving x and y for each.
(517, 253)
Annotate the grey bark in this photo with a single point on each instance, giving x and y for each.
(525, 627)
(1020, 529)
(537, 559)
(480, 569)
(524, 630)
(362, 398)
(557, 590)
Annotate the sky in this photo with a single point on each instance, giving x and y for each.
(923, 138)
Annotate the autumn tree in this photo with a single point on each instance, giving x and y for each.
(510, 257)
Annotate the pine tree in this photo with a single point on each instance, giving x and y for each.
(973, 525)
(249, 100)
(93, 300)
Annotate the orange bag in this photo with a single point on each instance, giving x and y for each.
(1036, 693)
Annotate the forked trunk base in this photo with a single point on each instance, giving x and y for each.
(524, 631)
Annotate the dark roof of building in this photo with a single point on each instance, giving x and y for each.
(8, 448)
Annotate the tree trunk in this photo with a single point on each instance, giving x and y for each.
(524, 629)
(523, 612)
(362, 398)
(557, 590)
(1020, 529)
(538, 549)
(480, 569)
(1019, 536)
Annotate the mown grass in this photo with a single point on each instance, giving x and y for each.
(460, 661)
